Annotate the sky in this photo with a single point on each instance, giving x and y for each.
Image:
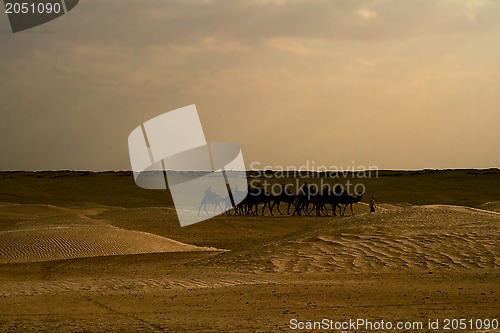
(400, 84)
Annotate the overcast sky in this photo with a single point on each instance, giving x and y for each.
(395, 84)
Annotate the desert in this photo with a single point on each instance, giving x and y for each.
(91, 252)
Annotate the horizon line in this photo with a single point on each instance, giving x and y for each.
(262, 170)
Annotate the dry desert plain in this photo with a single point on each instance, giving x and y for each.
(92, 252)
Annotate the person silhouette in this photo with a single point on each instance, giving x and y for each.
(372, 205)
(208, 193)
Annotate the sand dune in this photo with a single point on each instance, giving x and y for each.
(77, 236)
(402, 262)
(15, 212)
(491, 205)
(393, 239)
(405, 239)
(340, 267)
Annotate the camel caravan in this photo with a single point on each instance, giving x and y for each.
(308, 200)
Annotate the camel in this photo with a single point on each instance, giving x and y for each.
(238, 196)
(334, 198)
(256, 195)
(262, 196)
(307, 195)
(210, 198)
(245, 207)
(286, 197)
(348, 200)
(321, 200)
(304, 199)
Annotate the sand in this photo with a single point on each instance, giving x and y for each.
(81, 266)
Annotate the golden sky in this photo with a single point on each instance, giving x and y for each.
(396, 84)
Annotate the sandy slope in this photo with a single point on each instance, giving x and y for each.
(410, 263)
(407, 239)
(43, 232)
(491, 205)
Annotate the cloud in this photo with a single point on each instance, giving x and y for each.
(305, 73)
(367, 14)
(287, 45)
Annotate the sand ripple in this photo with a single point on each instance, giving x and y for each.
(67, 241)
(427, 237)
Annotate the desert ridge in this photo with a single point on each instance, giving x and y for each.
(63, 233)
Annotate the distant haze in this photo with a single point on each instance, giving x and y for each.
(399, 84)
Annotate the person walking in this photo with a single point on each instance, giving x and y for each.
(372, 205)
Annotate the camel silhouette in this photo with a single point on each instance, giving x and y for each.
(238, 196)
(348, 200)
(307, 195)
(304, 196)
(321, 200)
(210, 198)
(286, 197)
(256, 195)
(262, 196)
